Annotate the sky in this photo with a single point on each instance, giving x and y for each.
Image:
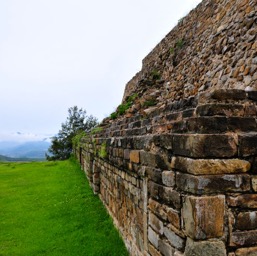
(55, 54)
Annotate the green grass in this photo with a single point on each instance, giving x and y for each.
(48, 208)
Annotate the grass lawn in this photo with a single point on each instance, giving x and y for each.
(48, 208)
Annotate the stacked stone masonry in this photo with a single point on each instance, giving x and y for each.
(180, 177)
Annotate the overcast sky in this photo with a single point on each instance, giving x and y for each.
(55, 54)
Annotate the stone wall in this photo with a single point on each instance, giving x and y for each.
(177, 170)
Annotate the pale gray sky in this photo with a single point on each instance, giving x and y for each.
(55, 54)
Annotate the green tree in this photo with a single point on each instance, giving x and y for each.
(77, 122)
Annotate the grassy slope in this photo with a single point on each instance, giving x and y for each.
(48, 209)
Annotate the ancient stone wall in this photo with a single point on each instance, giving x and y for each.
(176, 165)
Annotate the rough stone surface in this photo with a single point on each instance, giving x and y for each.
(204, 216)
(251, 251)
(210, 248)
(210, 166)
(243, 238)
(175, 240)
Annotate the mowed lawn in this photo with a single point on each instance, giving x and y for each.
(48, 208)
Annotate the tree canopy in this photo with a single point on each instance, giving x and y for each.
(76, 122)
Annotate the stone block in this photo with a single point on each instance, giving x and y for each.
(247, 144)
(254, 183)
(158, 209)
(153, 251)
(134, 156)
(243, 201)
(165, 248)
(220, 109)
(153, 160)
(156, 224)
(210, 248)
(171, 197)
(204, 216)
(251, 251)
(205, 145)
(154, 174)
(207, 184)
(173, 217)
(153, 237)
(246, 220)
(243, 238)
(155, 190)
(210, 166)
(175, 240)
(168, 178)
(163, 141)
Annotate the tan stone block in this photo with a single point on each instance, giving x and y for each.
(134, 156)
(204, 216)
(254, 183)
(243, 201)
(252, 251)
(153, 251)
(210, 166)
(173, 217)
(155, 223)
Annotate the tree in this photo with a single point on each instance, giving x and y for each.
(77, 122)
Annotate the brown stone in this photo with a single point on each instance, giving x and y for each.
(251, 251)
(204, 216)
(247, 144)
(153, 251)
(246, 220)
(210, 166)
(134, 156)
(207, 184)
(173, 217)
(243, 238)
(254, 183)
(205, 145)
(158, 209)
(243, 201)
(171, 197)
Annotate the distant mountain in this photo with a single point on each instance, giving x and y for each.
(11, 159)
(32, 149)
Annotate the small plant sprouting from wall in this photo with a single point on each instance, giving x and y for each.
(103, 151)
(180, 43)
(95, 130)
(77, 138)
(155, 75)
(149, 103)
(122, 108)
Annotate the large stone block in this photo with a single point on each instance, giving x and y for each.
(246, 220)
(247, 144)
(243, 238)
(168, 178)
(207, 184)
(171, 197)
(204, 216)
(204, 248)
(243, 201)
(205, 145)
(134, 156)
(210, 166)
(153, 237)
(251, 251)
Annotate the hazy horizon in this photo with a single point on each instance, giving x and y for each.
(57, 54)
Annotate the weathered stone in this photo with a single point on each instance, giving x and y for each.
(243, 201)
(153, 251)
(158, 209)
(204, 216)
(210, 166)
(175, 240)
(168, 178)
(243, 238)
(154, 174)
(203, 145)
(173, 217)
(254, 183)
(165, 248)
(207, 184)
(156, 224)
(210, 248)
(171, 197)
(152, 160)
(251, 251)
(220, 109)
(134, 156)
(247, 144)
(153, 237)
(246, 220)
